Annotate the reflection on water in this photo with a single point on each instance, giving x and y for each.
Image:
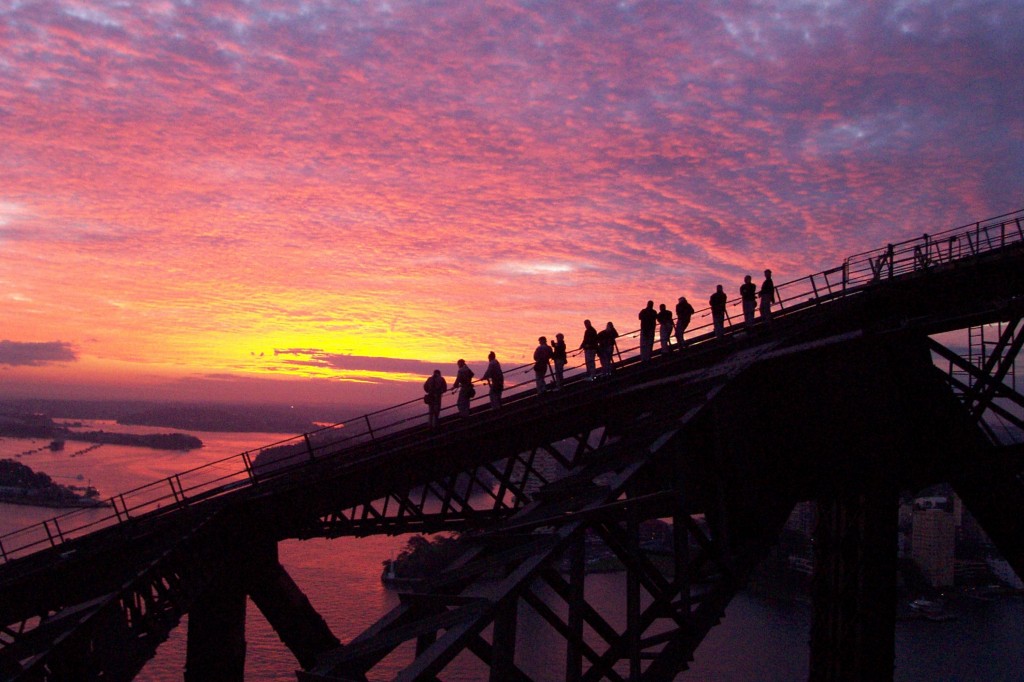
(758, 640)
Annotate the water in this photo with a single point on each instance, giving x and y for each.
(759, 640)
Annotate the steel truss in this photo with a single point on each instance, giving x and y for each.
(112, 636)
(986, 383)
(476, 497)
(671, 601)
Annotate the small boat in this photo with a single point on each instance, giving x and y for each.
(926, 605)
(392, 580)
(931, 609)
(56, 445)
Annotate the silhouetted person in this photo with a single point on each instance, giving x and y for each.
(559, 355)
(718, 301)
(684, 311)
(496, 378)
(541, 363)
(606, 347)
(748, 296)
(589, 348)
(464, 385)
(767, 295)
(434, 387)
(664, 327)
(648, 321)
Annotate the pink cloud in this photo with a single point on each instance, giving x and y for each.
(451, 166)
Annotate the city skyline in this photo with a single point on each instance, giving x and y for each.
(325, 201)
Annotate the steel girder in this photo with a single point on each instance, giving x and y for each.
(987, 382)
(112, 636)
(479, 496)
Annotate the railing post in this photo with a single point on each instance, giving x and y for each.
(179, 492)
(924, 253)
(889, 253)
(369, 428)
(3, 552)
(49, 535)
(247, 460)
(309, 446)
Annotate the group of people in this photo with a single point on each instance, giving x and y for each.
(662, 322)
(749, 295)
(598, 347)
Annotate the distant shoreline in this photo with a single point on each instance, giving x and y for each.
(23, 501)
(19, 484)
(214, 417)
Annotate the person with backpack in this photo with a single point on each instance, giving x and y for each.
(684, 311)
(434, 388)
(541, 362)
(495, 378)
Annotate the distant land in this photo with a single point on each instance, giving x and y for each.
(288, 419)
(37, 425)
(20, 485)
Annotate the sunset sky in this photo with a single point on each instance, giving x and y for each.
(322, 201)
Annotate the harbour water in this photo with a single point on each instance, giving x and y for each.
(760, 639)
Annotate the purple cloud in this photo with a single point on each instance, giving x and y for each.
(312, 357)
(20, 354)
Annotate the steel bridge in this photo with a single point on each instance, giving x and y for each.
(848, 397)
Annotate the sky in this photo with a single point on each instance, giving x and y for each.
(285, 201)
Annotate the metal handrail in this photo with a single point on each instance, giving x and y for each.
(246, 469)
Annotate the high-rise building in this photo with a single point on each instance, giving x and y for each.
(933, 539)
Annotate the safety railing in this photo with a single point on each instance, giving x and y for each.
(249, 468)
